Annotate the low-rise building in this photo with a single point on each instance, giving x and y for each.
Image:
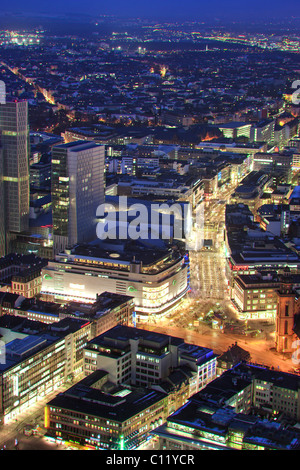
(134, 380)
(249, 249)
(263, 131)
(108, 311)
(21, 274)
(233, 356)
(202, 425)
(230, 413)
(105, 313)
(8, 302)
(38, 310)
(98, 414)
(234, 130)
(143, 358)
(247, 387)
(157, 278)
(27, 283)
(274, 217)
(254, 296)
(250, 190)
(277, 161)
(38, 359)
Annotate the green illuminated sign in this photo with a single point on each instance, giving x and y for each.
(131, 289)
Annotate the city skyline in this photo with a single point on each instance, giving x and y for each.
(150, 228)
(166, 9)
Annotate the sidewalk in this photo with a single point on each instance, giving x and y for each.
(33, 416)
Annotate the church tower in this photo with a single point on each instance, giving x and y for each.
(287, 306)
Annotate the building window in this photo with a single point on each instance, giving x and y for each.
(285, 327)
(287, 310)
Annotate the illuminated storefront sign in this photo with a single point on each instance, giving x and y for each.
(77, 286)
(237, 267)
(240, 268)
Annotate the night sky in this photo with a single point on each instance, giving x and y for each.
(184, 9)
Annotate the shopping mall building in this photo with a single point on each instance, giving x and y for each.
(156, 279)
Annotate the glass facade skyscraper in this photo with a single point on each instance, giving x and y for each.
(2, 212)
(77, 187)
(14, 166)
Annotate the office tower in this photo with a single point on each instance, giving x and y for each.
(77, 186)
(14, 167)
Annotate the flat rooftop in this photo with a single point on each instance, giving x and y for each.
(116, 406)
(124, 253)
(26, 337)
(77, 146)
(20, 347)
(124, 334)
(234, 125)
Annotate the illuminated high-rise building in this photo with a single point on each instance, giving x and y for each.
(77, 186)
(14, 167)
